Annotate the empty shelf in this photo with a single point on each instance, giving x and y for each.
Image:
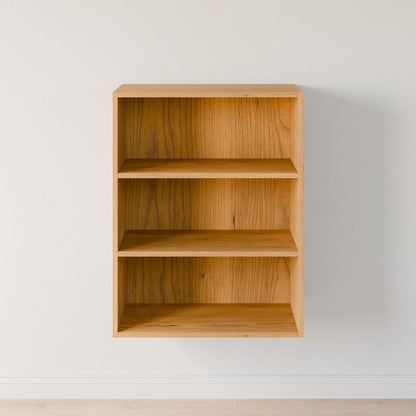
(213, 320)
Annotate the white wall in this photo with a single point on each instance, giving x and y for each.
(59, 63)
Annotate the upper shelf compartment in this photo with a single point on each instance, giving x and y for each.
(231, 135)
(207, 168)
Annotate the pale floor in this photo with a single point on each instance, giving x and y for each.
(207, 407)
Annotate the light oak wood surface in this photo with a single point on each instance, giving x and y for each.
(193, 243)
(118, 230)
(208, 320)
(208, 407)
(207, 90)
(207, 168)
(206, 279)
(296, 211)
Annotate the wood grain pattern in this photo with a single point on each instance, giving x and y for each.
(206, 204)
(207, 90)
(207, 168)
(220, 243)
(122, 286)
(118, 231)
(296, 212)
(207, 279)
(120, 130)
(207, 128)
(208, 407)
(214, 320)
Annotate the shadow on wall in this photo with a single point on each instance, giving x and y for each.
(348, 228)
(347, 209)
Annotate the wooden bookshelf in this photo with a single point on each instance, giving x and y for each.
(208, 211)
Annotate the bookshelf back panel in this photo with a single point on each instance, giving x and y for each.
(207, 280)
(199, 128)
(204, 204)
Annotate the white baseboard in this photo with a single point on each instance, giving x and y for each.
(368, 386)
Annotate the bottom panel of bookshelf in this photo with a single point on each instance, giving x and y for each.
(207, 320)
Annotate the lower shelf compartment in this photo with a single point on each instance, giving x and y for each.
(208, 320)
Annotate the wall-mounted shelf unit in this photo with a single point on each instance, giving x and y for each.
(208, 211)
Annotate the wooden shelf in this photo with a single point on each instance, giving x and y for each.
(193, 243)
(208, 210)
(207, 168)
(208, 320)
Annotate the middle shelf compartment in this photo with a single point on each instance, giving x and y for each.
(205, 204)
(206, 217)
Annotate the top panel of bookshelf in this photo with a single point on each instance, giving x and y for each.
(207, 90)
